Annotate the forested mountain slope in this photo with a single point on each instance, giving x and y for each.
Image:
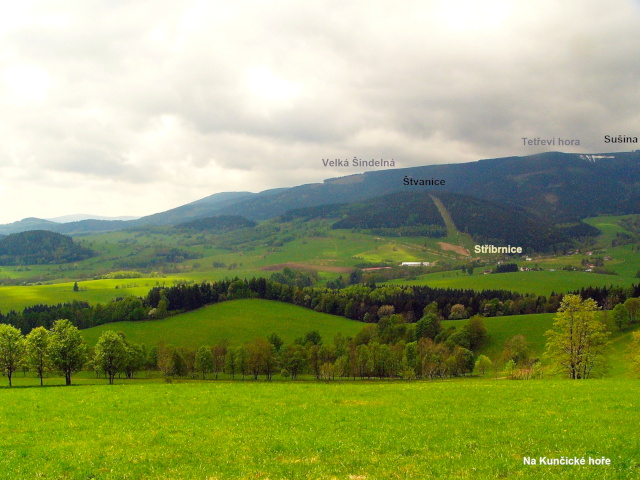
(559, 187)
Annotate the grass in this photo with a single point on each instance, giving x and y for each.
(608, 225)
(239, 321)
(533, 328)
(538, 282)
(92, 291)
(478, 429)
(502, 329)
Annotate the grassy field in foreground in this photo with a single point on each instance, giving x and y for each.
(478, 429)
(239, 321)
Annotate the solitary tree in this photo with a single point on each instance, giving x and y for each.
(179, 362)
(633, 307)
(620, 316)
(327, 371)
(457, 312)
(219, 353)
(164, 358)
(230, 364)
(313, 337)
(483, 363)
(163, 304)
(110, 354)
(428, 326)
(134, 358)
(11, 349)
(293, 360)
(38, 350)
(276, 341)
(363, 361)
(67, 349)
(516, 349)
(254, 359)
(577, 343)
(242, 361)
(204, 360)
(477, 332)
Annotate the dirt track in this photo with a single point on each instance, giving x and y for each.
(454, 248)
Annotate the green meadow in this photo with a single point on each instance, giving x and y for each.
(537, 282)
(502, 329)
(239, 321)
(533, 328)
(92, 291)
(475, 429)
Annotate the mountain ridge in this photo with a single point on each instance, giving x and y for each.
(562, 187)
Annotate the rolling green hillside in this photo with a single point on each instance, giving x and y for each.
(501, 329)
(533, 328)
(92, 292)
(238, 321)
(538, 282)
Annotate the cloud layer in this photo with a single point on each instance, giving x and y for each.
(129, 108)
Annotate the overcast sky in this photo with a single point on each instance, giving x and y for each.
(134, 107)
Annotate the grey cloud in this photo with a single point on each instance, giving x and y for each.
(149, 91)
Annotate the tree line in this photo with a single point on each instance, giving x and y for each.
(390, 348)
(357, 302)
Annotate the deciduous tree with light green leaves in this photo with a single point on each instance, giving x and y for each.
(11, 350)
(634, 354)
(577, 344)
(134, 359)
(37, 343)
(204, 360)
(633, 307)
(110, 354)
(67, 349)
(620, 316)
(483, 363)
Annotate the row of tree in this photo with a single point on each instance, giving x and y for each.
(359, 302)
(391, 348)
(364, 356)
(62, 348)
(626, 314)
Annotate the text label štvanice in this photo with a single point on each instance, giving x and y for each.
(422, 181)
